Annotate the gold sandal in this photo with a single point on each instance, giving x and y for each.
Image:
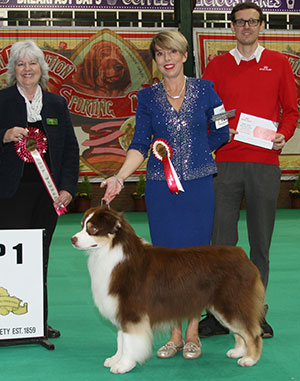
(169, 350)
(192, 350)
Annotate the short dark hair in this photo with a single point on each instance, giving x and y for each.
(247, 5)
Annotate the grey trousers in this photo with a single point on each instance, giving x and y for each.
(260, 185)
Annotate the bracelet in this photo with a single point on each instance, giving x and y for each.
(119, 181)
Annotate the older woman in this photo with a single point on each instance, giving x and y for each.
(177, 111)
(24, 201)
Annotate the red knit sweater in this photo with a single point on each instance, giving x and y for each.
(261, 89)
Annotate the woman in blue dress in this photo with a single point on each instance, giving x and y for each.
(177, 111)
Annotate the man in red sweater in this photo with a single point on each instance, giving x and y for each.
(258, 82)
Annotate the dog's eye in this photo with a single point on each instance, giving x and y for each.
(118, 67)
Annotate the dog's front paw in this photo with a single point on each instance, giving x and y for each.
(236, 353)
(110, 361)
(123, 366)
(246, 361)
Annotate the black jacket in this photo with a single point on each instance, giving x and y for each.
(62, 143)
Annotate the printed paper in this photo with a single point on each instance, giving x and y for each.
(256, 131)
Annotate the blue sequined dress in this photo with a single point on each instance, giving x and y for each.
(184, 219)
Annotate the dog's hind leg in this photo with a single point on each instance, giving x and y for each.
(254, 348)
(248, 342)
(239, 349)
(110, 361)
(136, 346)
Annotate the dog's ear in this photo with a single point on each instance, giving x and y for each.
(116, 227)
(108, 221)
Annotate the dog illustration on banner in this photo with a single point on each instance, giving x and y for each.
(103, 72)
(138, 287)
(102, 97)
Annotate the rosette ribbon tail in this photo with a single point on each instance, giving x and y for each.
(31, 149)
(47, 179)
(163, 151)
(61, 210)
(173, 181)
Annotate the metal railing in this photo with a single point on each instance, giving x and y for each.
(120, 22)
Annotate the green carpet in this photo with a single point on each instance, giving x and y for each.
(87, 339)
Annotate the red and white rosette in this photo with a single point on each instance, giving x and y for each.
(31, 149)
(163, 151)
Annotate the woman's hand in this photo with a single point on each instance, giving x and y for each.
(14, 134)
(114, 186)
(64, 198)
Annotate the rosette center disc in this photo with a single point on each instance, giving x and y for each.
(162, 151)
(35, 141)
(31, 144)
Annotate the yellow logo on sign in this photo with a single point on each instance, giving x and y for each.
(11, 304)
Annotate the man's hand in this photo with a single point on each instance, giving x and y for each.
(278, 141)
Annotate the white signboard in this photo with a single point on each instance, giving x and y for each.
(21, 284)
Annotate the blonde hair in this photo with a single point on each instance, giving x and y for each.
(169, 39)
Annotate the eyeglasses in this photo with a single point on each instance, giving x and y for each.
(242, 22)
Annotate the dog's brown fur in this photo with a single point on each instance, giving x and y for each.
(168, 285)
(103, 72)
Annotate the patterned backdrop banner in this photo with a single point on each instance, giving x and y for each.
(210, 43)
(99, 73)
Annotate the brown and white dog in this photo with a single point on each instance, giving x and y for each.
(138, 286)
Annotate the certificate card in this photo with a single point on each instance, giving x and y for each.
(256, 131)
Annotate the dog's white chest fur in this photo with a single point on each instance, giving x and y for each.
(101, 264)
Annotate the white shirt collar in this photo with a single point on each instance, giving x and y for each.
(239, 57)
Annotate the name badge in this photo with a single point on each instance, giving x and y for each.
(52, 121)
(220, 116)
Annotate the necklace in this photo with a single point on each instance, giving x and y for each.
(181, 91)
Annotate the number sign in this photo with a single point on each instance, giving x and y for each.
(21, 284)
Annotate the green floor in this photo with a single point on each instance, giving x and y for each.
(87, 339)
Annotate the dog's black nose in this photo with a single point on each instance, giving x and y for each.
(74, 240)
